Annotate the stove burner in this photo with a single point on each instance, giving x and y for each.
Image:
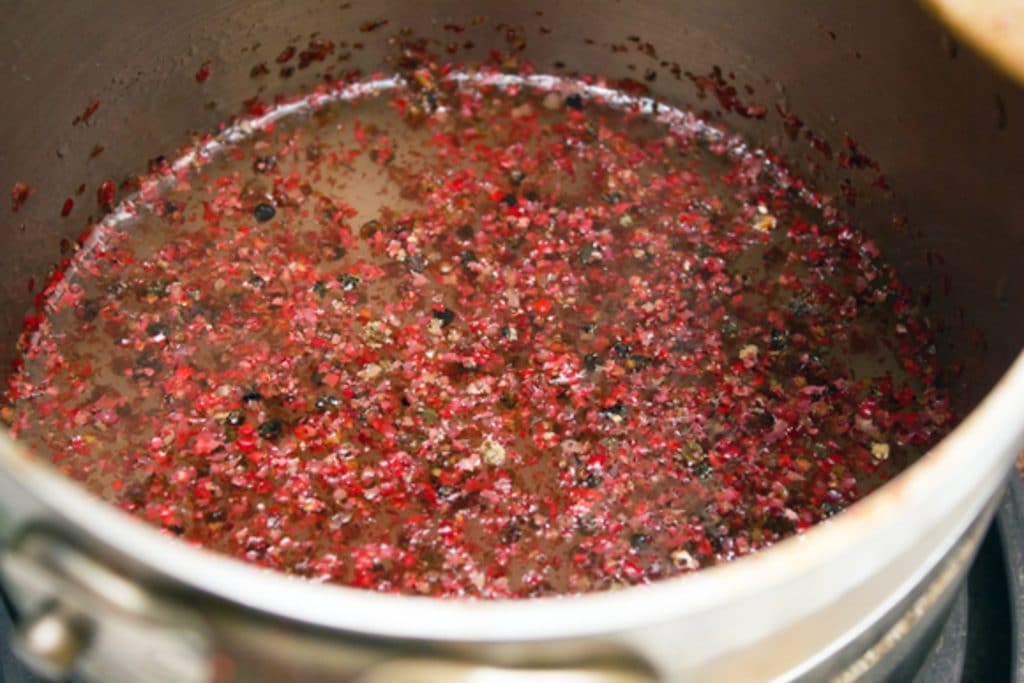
(981, 641)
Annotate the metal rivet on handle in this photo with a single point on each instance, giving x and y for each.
(50, 642)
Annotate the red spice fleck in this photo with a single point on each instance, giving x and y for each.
(19, 195)
(726, 93)
(105, 194)
(286, 54)
(541, 306)
(68, 205)
(372, 25)
(203, 72)
(317, 51)
(86, 113)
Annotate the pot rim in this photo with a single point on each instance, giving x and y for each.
(863, 539)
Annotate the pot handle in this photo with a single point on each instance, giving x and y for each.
(425, 670)
(76, 616)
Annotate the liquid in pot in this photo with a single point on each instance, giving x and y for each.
(479, 334)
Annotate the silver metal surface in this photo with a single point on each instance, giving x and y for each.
(439, 671)
(919, 617)
(78, 617)
(947, 131)
(51, 641)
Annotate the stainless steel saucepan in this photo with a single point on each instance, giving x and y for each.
(103, 595)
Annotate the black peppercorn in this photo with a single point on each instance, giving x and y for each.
(251, 396)
(574, 101)
(271, 429)
(445, 315)
(264, 212)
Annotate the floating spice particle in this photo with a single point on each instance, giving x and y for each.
(511, 533)
(445, 315)
(830, 509)
(264, 212)
(270, 429)
(369, 229)
(800, 307)
(749, 353)
(682, 559)
(541, 306)
(778, 340)
(89, 310)
(86, 113)
(880, 451)
(492, 453)
(67, 207)
(105, 194)
(638, 362)
(765, 223)
(372, 25)
(19, 195)
(157, 332)
(702, 469)
(371, 371)
(349, 282)
(326, 404)
(589, 254)
(613, 412)
(285, 54)
(416, 263)
(215, 516)
(760, 421)
(376, 333)
(264, 164)
(639, 541)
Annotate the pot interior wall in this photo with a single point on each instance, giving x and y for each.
(946, 131)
